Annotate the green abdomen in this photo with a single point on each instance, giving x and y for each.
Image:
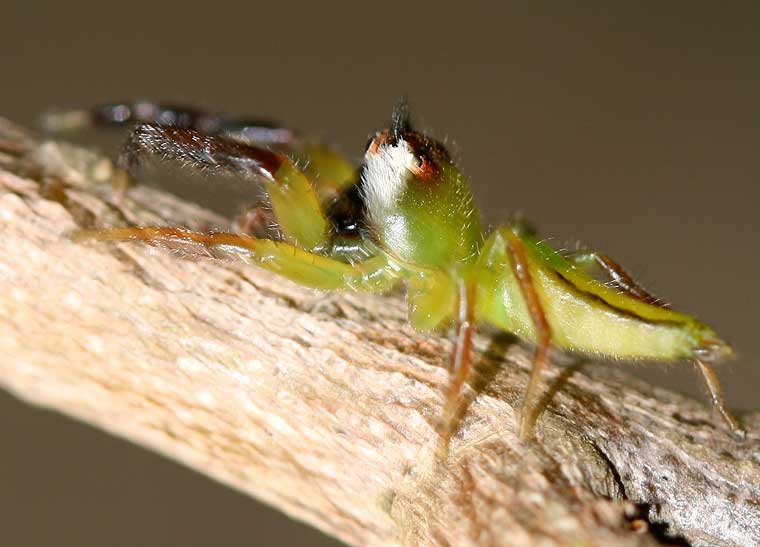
(585, 323)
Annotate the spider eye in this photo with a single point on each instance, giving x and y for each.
(381, 139)
(430, 154)
(369, 144)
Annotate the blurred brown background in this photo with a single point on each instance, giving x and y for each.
(632, 129)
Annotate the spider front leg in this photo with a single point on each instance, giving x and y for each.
(128, 113)
(305, 254)
(311, 270)
(290, 194)
(257, 221)
(330, 171)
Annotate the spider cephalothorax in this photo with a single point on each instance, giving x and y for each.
(417, 202)
(408, 214)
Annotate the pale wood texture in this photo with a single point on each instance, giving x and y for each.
(324, 405)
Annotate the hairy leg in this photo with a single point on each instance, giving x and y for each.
(291, 195)
(621, 279)
(711, 381)
(128, 113)
(520, 267)
(460, 362)
(131, 113)
(258, 221)
(319, 272)
(329, 171)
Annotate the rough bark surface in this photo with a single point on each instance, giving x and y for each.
(324, 405)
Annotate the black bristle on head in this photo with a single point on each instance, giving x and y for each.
(400, 118)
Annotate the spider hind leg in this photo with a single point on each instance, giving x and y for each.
(521, 269)
(460, 364)
(716, 396)
(615, 273)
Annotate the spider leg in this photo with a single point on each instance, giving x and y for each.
(460, 361)
(521, 270)
(291, 195)
(130, 113)
(374, 274)
(328, 170)
(591, 260)
(711, 381)
(258, 131)
(258, 220)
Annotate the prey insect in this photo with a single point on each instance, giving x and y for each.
(407, 214)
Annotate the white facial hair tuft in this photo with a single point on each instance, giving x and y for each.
(385, 176)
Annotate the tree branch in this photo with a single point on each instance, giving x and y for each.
(324, 405)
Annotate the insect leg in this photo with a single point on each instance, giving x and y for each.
(257, 131)
(312, 270)
(328, 170)
(131, 113)
(291, 195)
(258, 220)
(460, 360)
(711, 381)
(117, 114)
(615, 273)
(521, 270)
